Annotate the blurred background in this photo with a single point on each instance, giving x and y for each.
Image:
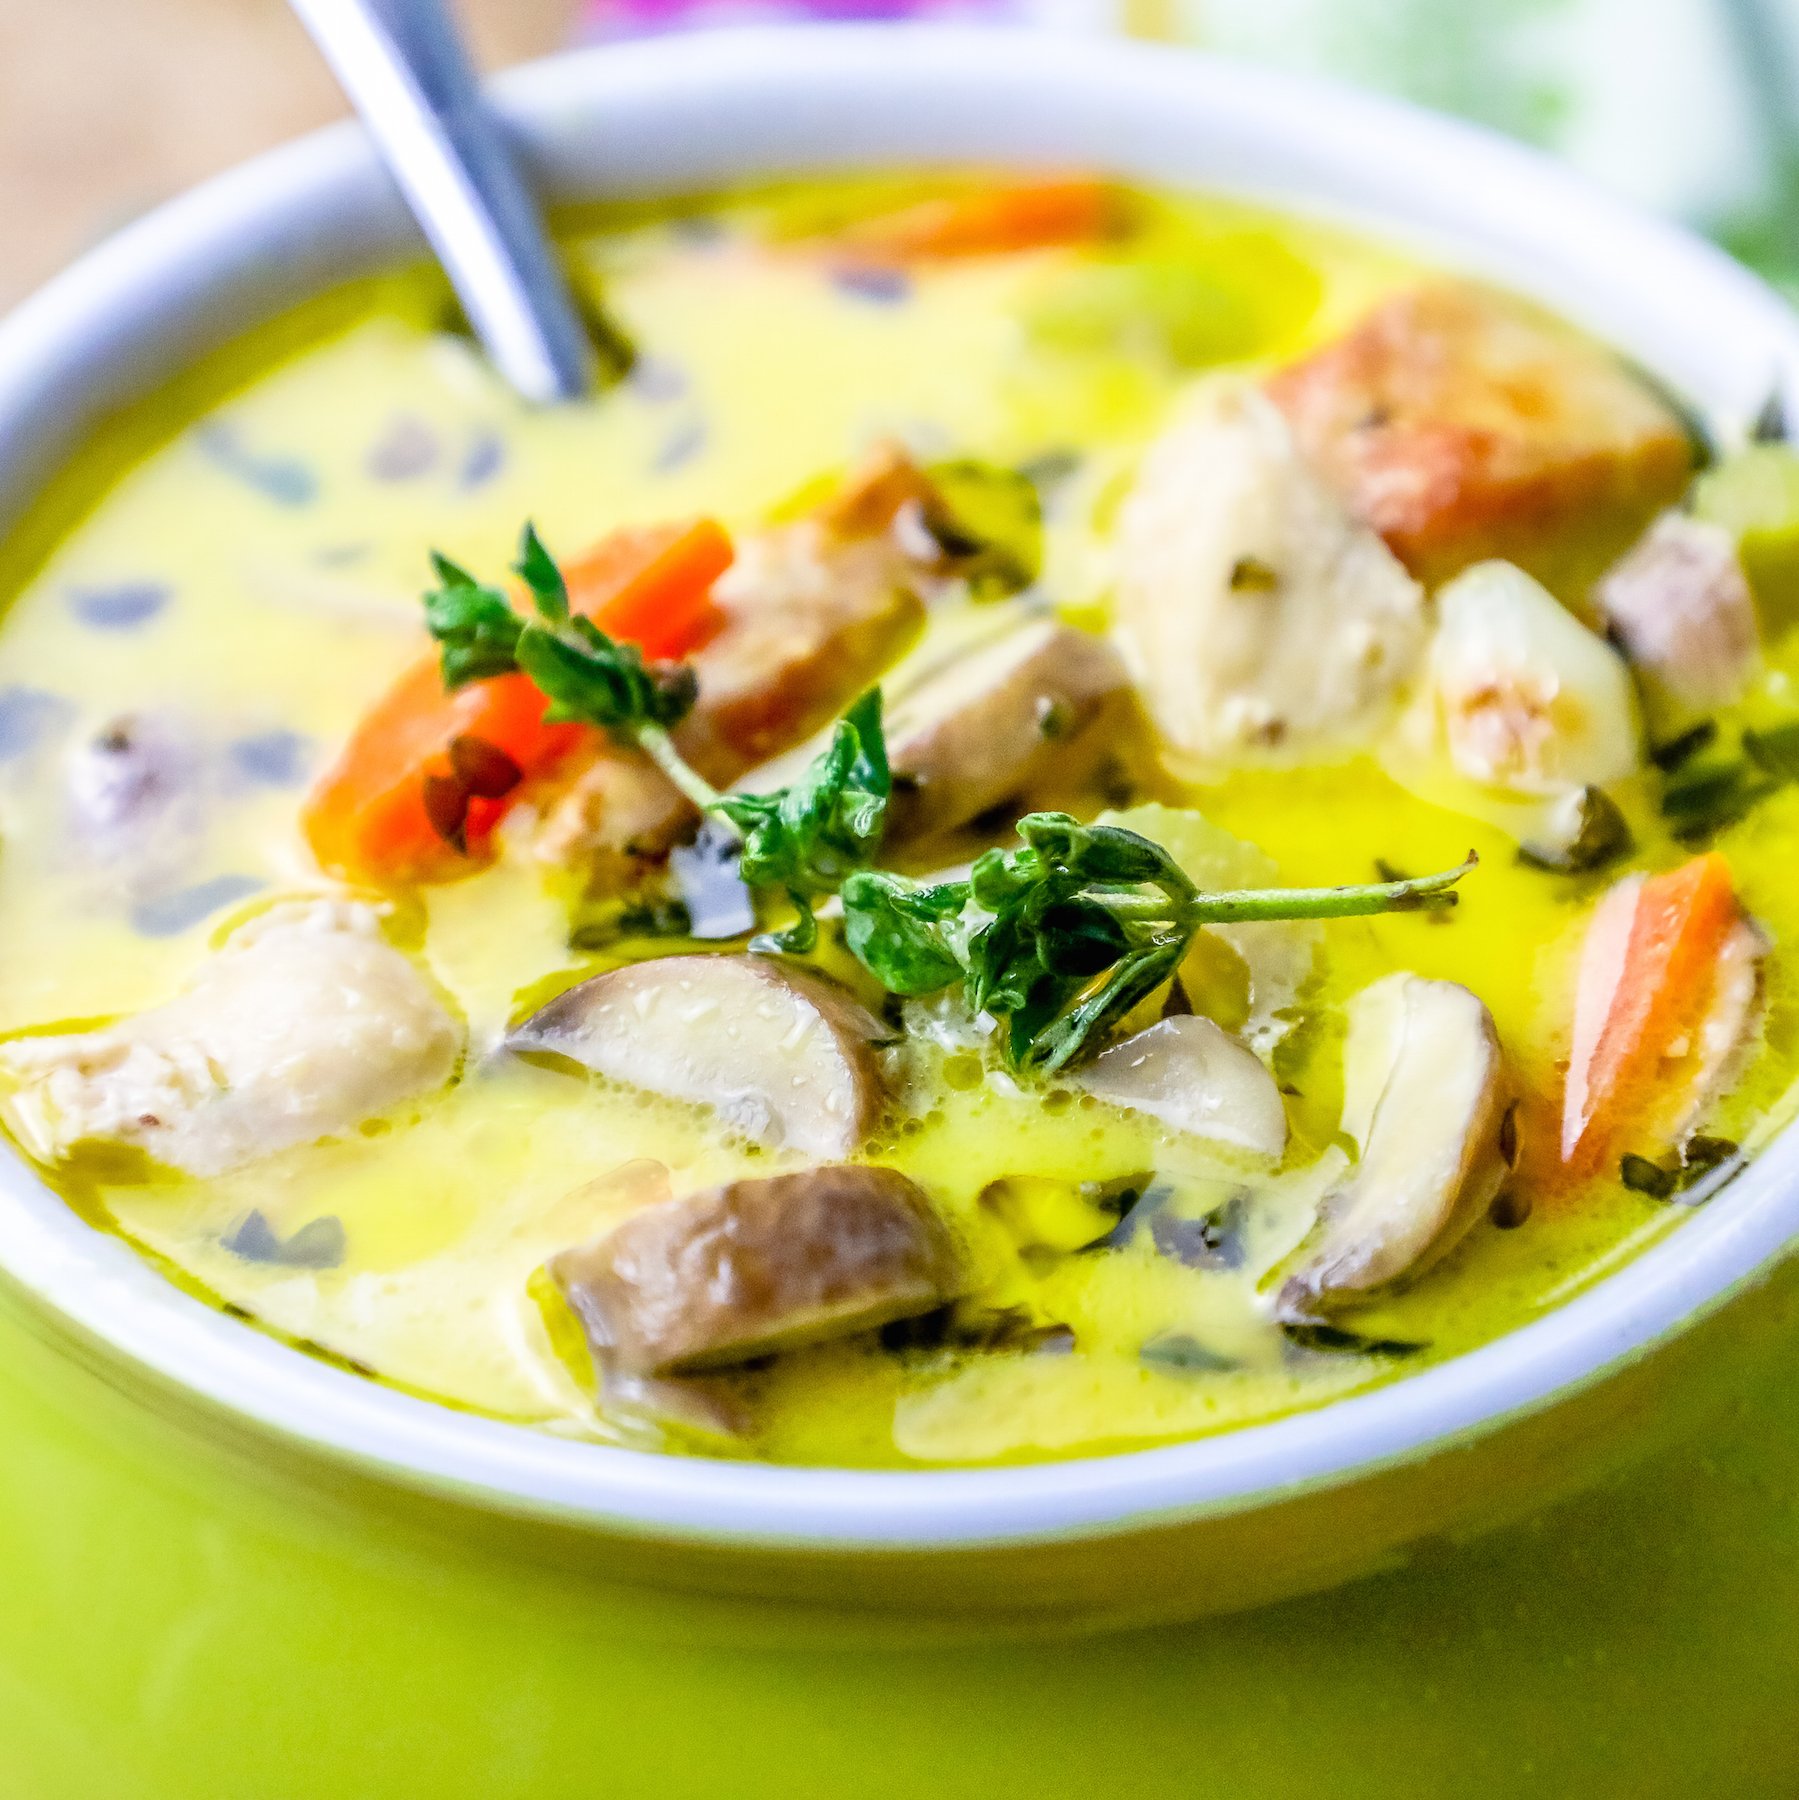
(1689, 106)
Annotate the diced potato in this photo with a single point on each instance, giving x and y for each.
(1256, 614)
(1425, 1098)
(1463, 426)
(753, 1267)
(783, 1057)
(997, 722)
(1680, 608)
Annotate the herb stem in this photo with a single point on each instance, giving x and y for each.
(659, 747)
(1319, 903)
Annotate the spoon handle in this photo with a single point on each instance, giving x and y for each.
(406, 73)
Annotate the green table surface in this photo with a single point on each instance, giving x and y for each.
(176, 1627)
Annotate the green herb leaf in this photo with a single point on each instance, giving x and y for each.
(896, 930)
(1774, 751)
(540, 574)
(1083, 923)
(988, 521)
(809, 837)
(475, 626)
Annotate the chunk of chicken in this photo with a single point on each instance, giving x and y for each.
(998, 721)
(1257, 615)
(1525, 697)
(752, 1267)
(811, 619)
(782, 1057)
(1680, 607)
(1193, 1075)
(1425, 1099)
(305, 1022)
(615, 822)
(814, 610)
(1462, 425)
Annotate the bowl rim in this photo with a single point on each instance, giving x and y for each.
(681, 113)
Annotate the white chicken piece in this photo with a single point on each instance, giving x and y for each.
(1521, 695)
(305, 1022)
(1679, 605)
(1257, 614)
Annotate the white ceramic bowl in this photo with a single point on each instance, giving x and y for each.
(1221, 1521)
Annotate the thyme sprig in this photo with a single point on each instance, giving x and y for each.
(1058, 938)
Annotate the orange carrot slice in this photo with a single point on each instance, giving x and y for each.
(1646, 975)
(653, 586)
(417, 791)
(1017, 216)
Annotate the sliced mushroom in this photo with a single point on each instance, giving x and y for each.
(305, 1022)
(1680, 607)
(1257, 614)
(782, 1057)
(997, 723)
(1425, 1099)
(1526, 698)
(1191, 1074)
(753, 1267)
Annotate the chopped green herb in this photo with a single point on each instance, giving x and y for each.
(1250, 575)
(1699, 1157)
(806, 838)
(1186, 1355)
(1774, 751)
(1642, 1176)
(988, 521)
(1677, 750)
(1334, 1340)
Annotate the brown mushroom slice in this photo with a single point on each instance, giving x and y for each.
(1193, 1075)
(996, 723)
(1426, 1100)
(782, 1057)
(743, 1270)
(1679, 605)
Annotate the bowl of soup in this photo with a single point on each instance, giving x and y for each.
(1076, 910)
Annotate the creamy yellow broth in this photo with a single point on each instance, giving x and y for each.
(250, 587)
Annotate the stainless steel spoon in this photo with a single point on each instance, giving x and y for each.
(407, 75)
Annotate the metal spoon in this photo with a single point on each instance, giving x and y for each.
(407, 75)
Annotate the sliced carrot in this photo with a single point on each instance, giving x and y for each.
(652, 586)
(1016, 216)
(1646, 977)
(417, 791)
